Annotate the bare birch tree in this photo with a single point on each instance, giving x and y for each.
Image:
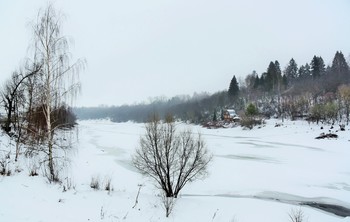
(58, 77)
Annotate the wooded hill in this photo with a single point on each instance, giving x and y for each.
(312, 90)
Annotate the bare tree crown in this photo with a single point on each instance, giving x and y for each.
(172, 159)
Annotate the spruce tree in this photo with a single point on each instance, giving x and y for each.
(317, 67)
(273, 77)
(304, 72)
(233, 89)
(270, 77)
(291, 71)
(340, 71)
(339, 64)
(215, 118)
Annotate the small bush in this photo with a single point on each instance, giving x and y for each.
(5, 165)
(95, 183)
(251, 110)
(108, 184)
(32, 166)
(249, 122)
(33, 173)
(68, 184)
(296, 215)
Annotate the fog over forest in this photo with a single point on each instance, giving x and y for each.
(293, 91)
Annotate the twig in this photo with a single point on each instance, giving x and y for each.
(137, 197)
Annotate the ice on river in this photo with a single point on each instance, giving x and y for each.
(255, 175)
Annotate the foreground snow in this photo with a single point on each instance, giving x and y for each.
(257, 175)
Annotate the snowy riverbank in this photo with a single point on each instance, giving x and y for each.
(256, 175)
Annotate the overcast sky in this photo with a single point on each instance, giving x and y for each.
(137, 49)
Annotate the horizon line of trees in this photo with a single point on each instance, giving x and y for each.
(291, 92)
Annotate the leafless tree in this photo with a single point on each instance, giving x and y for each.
(14, 102)
(58, 78)
(12, 92)
(296, 215)
(344, 92)
(172, 159)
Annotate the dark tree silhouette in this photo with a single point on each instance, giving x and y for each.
(10, 94)
(317, 67)
(233, 89)
(291, 71)
(172, 159)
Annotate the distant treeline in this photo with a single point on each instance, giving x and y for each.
(312, 90)
(194, 109)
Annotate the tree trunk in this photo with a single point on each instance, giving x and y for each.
(7, 126)
(50, 142)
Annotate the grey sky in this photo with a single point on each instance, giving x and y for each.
(137, 49)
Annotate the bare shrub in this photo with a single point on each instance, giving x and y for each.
(5, 161)
(296, 215)
(249, 121)
(60, 163)
(95, 183)
(108, 184)
(33, 172)
(68, 184)
(32, 166)
(172, 159)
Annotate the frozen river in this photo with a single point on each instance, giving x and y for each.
(284, 165)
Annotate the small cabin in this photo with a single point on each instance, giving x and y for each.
(230, 115)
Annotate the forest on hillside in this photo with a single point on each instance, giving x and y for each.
(312, 90)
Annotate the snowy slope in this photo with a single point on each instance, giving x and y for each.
(256, 175)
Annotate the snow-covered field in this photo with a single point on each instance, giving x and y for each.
(256, 175)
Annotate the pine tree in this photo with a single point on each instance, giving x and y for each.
(339, 65)
(304, 72)
(215, 118)
(291, 71)
(317, 67)
(339, 72)
(270, 77)
(257, 82)
(251, 110)
(233, 89)
(284, 81)
(273, 77)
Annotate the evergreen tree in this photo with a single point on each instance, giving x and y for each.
(317, 67)
(233, 89)
(278, 76)
(339, 65)
(273, 77)
(278, 70)
(284, 82)
(339, 72)
(251, 110)
(270, 77)
(291, 71)
(215, 118)
(250, 80)
(304, 72)
(257, 82)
